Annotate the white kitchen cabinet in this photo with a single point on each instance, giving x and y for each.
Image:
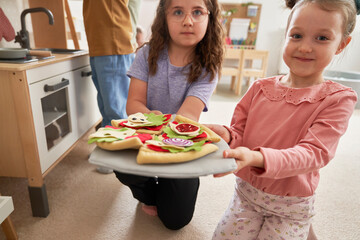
(6, 207)
(46, 108)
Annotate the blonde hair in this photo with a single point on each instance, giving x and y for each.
(346, 7)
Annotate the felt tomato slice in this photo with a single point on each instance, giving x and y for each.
(186, 127)
(157, 148)
(143, 137)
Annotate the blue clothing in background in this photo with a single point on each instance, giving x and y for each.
(112, 84)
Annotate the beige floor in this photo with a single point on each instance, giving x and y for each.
(87, 205)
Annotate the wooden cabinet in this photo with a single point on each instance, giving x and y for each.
(58, 93)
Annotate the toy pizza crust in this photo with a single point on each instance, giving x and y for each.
(129, 134)
(211, 135)
(130, 143)
(147, 155)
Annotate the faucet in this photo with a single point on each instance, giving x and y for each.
(22, 37)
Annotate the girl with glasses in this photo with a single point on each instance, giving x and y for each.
(175, 72)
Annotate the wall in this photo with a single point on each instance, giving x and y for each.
(147, 14)
(270, 33)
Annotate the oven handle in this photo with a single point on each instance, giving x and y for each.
(86, 74)
(49, 88)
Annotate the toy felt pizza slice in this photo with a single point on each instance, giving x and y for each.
(110, 138)
(183, 140)
(144, 122)
(186, 128)
(173, 150)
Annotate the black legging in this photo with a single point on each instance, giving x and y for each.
(174, 198)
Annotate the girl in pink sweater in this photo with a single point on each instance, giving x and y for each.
(286, 128)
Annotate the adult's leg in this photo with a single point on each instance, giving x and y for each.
(112, 84)
(176, 200)
(142, 188)
(97, 86)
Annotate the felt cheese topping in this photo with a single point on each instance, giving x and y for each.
(109, 132)
(185, 129)
(147, 121)
(138, 118)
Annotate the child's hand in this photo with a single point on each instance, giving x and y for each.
(243, 157)
(220, 130)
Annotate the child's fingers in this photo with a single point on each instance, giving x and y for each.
(156, 112)
(237, 154)
(217, 175)
(230, 153)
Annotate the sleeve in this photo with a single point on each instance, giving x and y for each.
(239, 118)
(317, 147)
(140, 68)
(203, 89)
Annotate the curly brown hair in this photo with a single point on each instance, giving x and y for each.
(208, 52)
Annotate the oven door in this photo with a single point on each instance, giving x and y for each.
(53, 109)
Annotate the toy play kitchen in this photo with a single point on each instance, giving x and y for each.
(23, 55)
(46, 106)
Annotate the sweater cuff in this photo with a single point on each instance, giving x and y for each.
(230, 134)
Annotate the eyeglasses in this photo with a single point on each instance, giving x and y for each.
(178, 15)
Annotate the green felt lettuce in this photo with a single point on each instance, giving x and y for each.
(108, 139)
(156, 120)
(105, 139)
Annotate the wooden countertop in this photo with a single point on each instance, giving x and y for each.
(26, 66)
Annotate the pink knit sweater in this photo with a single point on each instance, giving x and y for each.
(296, 129)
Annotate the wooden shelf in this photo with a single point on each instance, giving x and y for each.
(241, 12)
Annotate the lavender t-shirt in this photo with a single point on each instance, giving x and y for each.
(168, 88)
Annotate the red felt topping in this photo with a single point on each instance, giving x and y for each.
(108, 126)
(202, 135)
(186, 127)
(157, 148)
(143, 137)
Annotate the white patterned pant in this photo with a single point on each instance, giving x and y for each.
(253, 214)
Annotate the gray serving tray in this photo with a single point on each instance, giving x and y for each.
(125, 161)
